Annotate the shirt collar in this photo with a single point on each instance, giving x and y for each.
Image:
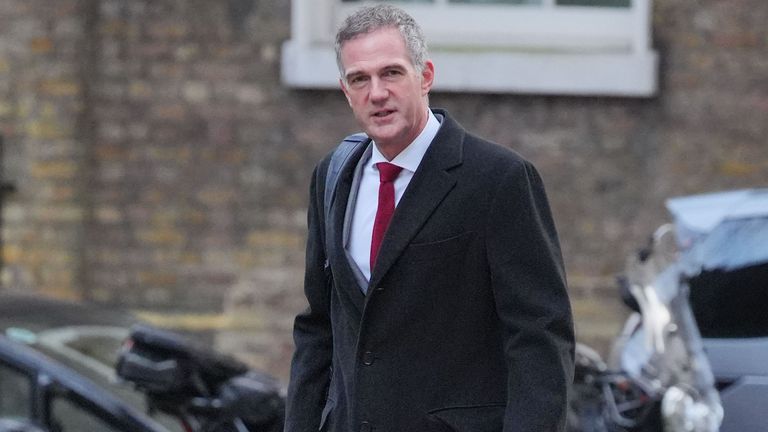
(410, 158)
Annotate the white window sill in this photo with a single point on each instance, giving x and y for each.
(596, 73)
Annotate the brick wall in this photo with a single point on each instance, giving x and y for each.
(41, 113)
(162, 166)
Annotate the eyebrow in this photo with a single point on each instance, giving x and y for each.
(397, 66)
(352, 75)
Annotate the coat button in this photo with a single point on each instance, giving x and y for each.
(368, 358)
(365, 427)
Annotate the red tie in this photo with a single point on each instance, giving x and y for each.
(387, 175)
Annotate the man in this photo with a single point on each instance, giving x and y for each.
(455, 317)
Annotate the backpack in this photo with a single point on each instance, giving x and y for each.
(339, 160)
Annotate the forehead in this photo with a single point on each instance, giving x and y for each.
(379, 48)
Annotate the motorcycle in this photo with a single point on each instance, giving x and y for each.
(203, 390)
(693, 273)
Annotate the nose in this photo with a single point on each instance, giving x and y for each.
(379, 91)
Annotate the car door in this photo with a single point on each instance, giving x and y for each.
(38, 390)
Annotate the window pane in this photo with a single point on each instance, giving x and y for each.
(393, 1)
(15, 393)
(604, 3)
(467, 1)
(517, 2)
(607, 3)
(70, 416)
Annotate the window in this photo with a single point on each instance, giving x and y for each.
(69, 415)
(15, 393)
(590, 47)
(609, 3)
(724, 303)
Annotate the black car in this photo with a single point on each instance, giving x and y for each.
(57, 369)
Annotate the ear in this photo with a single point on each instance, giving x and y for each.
(427, 77)
(344, 89)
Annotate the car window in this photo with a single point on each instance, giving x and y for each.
(15, 393)
(731, 304)
(102, 348)
(67, 415)
(92, 352)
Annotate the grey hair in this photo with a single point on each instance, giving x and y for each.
(372, 18)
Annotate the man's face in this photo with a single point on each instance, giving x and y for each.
(386, 92)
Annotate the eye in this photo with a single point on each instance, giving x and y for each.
(392, 73)
(357, 80)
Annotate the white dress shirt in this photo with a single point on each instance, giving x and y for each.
(359, 245)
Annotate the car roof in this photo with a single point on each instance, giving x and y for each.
(701, 213)
(37, 313)
(721, 231)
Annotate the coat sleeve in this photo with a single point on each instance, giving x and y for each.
(311, 363)
(528, 281)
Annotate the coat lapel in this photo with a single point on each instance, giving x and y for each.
(429, 185)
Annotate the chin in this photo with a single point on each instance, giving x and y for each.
(381, 135)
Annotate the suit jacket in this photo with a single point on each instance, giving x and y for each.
(466, 325)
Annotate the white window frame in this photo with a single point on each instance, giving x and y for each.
(537, 49)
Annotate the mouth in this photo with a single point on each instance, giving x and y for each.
(382, 113)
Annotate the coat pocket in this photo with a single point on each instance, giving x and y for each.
(440, 249)
(476, 418)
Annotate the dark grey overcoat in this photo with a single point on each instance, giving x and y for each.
(466, 325)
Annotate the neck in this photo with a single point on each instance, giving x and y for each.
(391, 152)
(392, 149)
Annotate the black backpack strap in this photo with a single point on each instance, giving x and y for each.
(339, 160)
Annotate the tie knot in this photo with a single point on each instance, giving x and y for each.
(388, 172)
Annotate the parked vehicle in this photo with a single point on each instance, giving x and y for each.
(57, 372)
(207, 392)
(726, 235)
(705, 275)
(57, 369)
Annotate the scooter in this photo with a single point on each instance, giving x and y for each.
(205, 391)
